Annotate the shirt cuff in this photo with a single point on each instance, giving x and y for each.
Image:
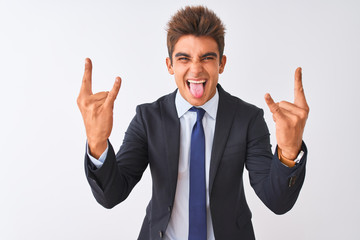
(97, 162)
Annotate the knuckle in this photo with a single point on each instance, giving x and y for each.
(81, 102)
(276, 109)
(303, 114)
(112, 95)
(297, 119)
(106, 94)
(282, 104)
(299, 88)
(86, 102)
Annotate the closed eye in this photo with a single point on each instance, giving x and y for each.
(183, 57)
(208, 58)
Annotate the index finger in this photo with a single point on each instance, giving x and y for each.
(86, 81)
(299, 95)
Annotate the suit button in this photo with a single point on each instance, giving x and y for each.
(161, 234)
(292, 181)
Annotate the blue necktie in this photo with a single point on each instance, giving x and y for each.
(197, 198)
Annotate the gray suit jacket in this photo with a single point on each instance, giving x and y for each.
(241, 139)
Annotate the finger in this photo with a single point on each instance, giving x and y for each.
(292, 108)
(286, 114)
(98, 103)
(271, 104)
(300, 113)
(99, 96)
(299, 95)
(86, 82)
(274, 107)
(93, 99)
(114, 92)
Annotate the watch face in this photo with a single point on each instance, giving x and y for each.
(299, 157)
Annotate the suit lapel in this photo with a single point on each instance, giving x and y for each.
(171, 130)
(224, 119)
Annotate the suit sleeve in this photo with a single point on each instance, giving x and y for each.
(277, 185)
(114, 180)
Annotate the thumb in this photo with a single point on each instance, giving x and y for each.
(114, 92)
(271, 104)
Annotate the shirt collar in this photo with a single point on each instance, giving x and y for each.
(182, 106)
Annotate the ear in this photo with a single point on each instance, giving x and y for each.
(222, 64)
(169, 66)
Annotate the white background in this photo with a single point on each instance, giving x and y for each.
(43, 44)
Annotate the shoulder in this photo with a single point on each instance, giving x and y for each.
(245, 116)
(164, 102)
(240, 106)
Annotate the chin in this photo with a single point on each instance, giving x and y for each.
(197, 101)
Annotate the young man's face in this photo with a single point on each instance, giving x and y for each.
(196, 68)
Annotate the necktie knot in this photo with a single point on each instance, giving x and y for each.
(200, 113)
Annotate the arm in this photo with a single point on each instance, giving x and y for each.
(277, 185)
(113, 182)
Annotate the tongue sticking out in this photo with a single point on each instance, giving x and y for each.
(197, 89)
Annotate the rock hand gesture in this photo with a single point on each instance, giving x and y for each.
(97, 111)
(290, 119)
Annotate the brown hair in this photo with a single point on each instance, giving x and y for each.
(197, 21)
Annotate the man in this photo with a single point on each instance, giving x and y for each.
(196, 155)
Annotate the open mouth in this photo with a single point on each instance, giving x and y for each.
(203, 82)
(196, 87)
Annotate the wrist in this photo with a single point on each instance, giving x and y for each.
(288, 155)
(96, 148)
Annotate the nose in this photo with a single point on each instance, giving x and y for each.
(196, 68)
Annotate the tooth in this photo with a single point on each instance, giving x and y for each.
(198, 82)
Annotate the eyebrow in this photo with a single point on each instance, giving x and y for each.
(181, 54)
(209, 54)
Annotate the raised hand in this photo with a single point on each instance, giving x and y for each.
(97, 111)
(290, 119)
